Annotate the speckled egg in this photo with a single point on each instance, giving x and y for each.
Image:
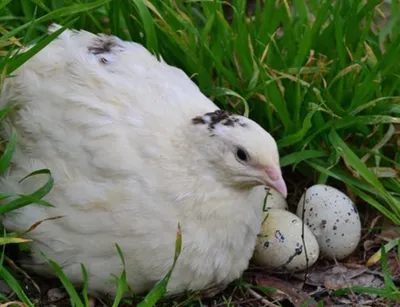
(274, 200)
(333, 218)
(280, 244)
(269, 198)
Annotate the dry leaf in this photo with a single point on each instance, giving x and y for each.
(286, 290)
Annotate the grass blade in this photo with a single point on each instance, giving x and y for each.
(36, 196)
(15, 286)
(148, 25)
(160, 289)
(8, 152)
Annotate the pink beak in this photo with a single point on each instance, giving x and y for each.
(276, 181)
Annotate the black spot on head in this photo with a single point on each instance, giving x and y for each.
(198, 120)
(228, 122)
(103, 44)
(213, 117)
(218, 117)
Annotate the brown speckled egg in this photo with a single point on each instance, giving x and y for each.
(333, 218)
(280, 244)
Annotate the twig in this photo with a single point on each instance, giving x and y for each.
(262, 299)
(303, 210)
(347, 284)
(12, 264)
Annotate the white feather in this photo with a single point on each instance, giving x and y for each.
(129, 165)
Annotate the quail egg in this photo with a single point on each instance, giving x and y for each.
(274, 200)
(280, 244)
(270, 198)
(333, 218)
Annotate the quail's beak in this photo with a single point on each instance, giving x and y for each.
(280, 186)
(275, 180)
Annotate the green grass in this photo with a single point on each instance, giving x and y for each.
(321, 77)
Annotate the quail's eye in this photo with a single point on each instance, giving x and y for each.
(241, 155)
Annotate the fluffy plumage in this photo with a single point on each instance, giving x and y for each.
(135, 148)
